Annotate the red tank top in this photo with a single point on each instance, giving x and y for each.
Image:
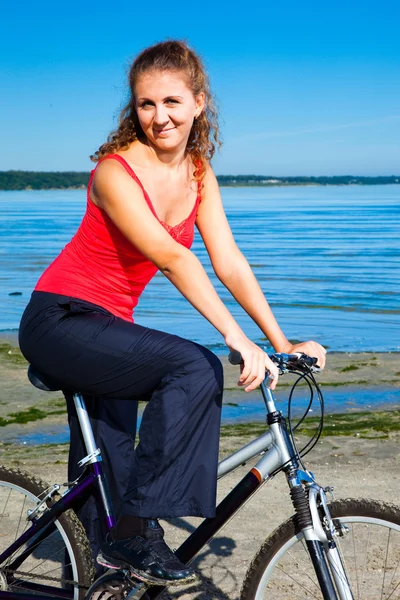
(100, 265)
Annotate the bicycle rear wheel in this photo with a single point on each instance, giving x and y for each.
(370, 552)
(61, 564)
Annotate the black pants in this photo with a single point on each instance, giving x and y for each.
(82, 346)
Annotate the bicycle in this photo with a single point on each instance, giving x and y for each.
(344, 550)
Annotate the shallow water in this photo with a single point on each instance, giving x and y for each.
(238, 408)
(327, 259)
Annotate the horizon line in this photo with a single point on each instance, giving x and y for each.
(247, 175)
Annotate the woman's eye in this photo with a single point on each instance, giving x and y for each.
(171, 101)
(145, 104)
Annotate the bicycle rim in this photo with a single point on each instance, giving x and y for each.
(370, 552)
(52, 562)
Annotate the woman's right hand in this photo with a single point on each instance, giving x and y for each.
(255, 362)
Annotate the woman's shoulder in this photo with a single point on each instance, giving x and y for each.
(113, 174)
(209, 178)
(113, 162)
(114, 166)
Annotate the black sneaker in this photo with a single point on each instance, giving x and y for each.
(147, 557)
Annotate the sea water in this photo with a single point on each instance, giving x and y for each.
(327, 259)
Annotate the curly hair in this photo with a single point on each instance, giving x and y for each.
(175, 56)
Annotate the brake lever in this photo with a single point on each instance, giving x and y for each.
(298, 360)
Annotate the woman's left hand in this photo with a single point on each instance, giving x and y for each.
(312, 349)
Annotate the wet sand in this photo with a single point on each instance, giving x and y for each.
(367, 369)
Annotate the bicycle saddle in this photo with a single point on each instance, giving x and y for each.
(41, 381)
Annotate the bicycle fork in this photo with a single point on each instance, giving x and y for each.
(309, 499)
(319, 531)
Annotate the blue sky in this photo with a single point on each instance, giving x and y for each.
(303, 88)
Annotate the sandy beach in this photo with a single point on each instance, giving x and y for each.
(357, 465)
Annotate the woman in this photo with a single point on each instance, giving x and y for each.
(152, 182)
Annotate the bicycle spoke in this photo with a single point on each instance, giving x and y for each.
(280, 568)
(366, 556)
(5, 506)
(355, 562)
(344, 563)
(391, 593)
(302, 568)
(19, 551)
(17, 530)
(20, 518)
(393, 576)
(48, 558)
(386, 558)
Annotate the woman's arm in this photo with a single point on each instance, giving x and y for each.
(233, 270)
(122, 199)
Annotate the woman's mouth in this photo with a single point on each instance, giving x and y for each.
(163, 132)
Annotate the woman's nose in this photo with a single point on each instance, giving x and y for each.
(161, 116)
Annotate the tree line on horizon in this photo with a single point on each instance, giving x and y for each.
(41, 180)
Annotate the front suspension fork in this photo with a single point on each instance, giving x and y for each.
(309, 501)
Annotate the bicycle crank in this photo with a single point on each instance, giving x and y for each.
(116, 585)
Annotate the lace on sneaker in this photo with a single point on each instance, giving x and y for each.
(159, 549)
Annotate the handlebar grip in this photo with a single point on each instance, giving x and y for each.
(235, 358)
(309, 360)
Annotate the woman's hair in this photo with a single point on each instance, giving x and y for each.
(173, 56)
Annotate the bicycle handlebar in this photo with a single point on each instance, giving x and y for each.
(283, 361)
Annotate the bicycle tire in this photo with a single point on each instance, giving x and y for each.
(63, 560)
(370, 553)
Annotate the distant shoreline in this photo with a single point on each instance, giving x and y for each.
(74, 180)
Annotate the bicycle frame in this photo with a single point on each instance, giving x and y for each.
(277, 453)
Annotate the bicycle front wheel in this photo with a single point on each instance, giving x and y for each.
(60, 562)
(369, 549)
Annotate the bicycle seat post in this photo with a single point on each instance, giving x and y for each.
(93, 453)
(94, 457)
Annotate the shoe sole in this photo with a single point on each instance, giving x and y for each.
(115, 564)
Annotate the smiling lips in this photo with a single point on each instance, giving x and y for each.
(163, 132)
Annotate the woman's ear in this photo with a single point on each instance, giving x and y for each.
(200, 103)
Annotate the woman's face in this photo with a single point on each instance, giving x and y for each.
(166, 108)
